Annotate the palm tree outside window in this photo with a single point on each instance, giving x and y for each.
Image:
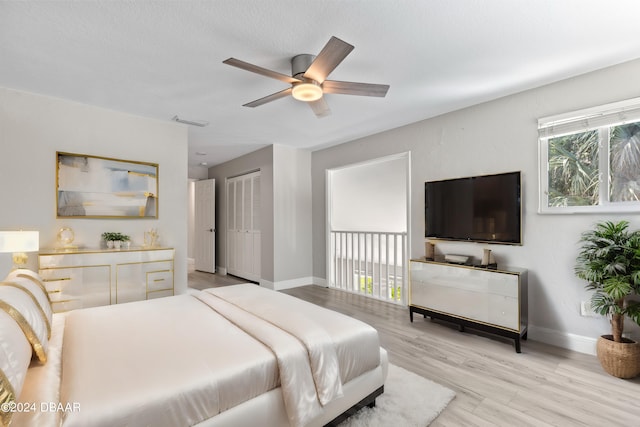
(589, 162)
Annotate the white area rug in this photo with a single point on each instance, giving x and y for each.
(408, 401)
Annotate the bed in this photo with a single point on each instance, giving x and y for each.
(234, 356)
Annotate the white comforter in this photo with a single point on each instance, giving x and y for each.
(180, 360)
(299, 335)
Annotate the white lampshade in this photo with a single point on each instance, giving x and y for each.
(308, 91)
(19, 241)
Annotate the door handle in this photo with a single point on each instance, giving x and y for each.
(211, 230)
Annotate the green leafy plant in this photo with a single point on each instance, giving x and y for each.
(609, 261)
(369, 285)
(113, 236)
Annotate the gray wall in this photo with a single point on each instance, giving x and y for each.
(261, 160)
(286, 248)
(494, 137)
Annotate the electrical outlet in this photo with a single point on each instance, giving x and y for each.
(586, 310)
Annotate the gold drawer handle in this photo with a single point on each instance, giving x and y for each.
(159, 280)
(55, 291)
(56, 280)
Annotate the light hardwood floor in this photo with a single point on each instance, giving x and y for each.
(495, 386)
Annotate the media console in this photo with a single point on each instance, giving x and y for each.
(493, 301)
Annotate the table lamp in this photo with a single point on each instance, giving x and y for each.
(19, 242)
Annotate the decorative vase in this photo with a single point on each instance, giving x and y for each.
(117, 244)
(110, 244)
(620, 359)
(429, 250)
(486, 257)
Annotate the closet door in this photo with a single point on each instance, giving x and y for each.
(231, 228)
(255, 226)
(243, 232)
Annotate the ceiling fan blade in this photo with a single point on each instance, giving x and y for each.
(320, 108)
(328, 59)
(260, 70)
(269, 98)
(353, 88)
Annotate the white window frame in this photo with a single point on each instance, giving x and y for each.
(601, 118)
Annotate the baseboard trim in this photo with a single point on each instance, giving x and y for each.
(287, 284)
(320, 281)
(566, 340)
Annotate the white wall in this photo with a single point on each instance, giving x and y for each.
(292, 217)
(495, 137)
(370, 196)
(34, 127)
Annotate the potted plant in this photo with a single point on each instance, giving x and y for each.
(126, 241)
(115, 239)
(609, 260)
(110, 237)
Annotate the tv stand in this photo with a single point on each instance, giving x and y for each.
(488, 300)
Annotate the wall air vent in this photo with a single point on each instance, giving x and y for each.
(199, 123)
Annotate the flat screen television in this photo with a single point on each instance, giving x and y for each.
(483, 208)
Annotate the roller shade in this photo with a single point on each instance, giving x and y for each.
(588, 119)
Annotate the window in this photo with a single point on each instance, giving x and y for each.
(590, 160)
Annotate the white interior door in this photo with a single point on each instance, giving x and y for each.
(205, 225)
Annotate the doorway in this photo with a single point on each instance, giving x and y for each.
(368, 212)
(204, 233)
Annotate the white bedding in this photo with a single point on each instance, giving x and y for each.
(178, 362)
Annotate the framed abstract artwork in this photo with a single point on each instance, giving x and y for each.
(101, 187)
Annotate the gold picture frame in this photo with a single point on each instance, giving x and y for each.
(102, 187)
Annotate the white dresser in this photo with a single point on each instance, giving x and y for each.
(89, 278)
(493, 301)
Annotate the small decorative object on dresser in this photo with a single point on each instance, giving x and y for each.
(151, 238)
(65, 238)
(429, 250)
(116, 240)
(609, 261)
(488, 261)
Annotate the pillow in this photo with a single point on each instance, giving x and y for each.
(15, 355)
(31, 275)
(25, 311)
(35, 287)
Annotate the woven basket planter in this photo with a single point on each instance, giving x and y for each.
(621, 360)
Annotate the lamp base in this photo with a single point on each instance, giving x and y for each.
(20, 260)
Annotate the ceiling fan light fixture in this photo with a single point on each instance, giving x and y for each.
(307, 91)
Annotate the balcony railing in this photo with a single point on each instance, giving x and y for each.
(369, 263)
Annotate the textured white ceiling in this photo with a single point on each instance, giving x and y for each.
(162, 58)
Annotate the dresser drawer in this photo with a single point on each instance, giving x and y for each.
(77, 287)
(56, 275)
(160, 294)
(159, 280)
(504, 311)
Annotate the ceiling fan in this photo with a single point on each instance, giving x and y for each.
(309, 78)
